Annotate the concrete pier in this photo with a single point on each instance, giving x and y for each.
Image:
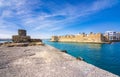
(44, 61)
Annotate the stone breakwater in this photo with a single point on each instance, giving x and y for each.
(44, 61)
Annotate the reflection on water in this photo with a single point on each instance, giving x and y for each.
(90, 46)
(95, 46)
(105, 56)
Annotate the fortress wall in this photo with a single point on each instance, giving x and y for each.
(80, 38)
(67, 39)
(53, 38)
(18, 39)
(94, 37)
(106, 38)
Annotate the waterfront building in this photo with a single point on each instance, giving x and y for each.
(112, 35)
(118, 36)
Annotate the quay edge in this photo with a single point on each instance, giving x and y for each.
(45, 61)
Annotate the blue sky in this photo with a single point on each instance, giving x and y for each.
(44, 18)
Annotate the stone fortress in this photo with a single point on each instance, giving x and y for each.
(84, 38)
(22, 40)
(22, 37)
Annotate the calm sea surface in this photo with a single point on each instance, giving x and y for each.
(2, 41)
(105, 56)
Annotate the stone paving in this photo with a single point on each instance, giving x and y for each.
(44, 61)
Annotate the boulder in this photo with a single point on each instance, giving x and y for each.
(35, 40)
(79, 58)
(1, 44)
(64, 51)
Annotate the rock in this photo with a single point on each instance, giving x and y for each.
(7, 42)
(1, 44)
(22, 44)
(79, 58)
(10, 45)
(15, 44)
(39, 43)
(35, 40)
(64, 51)
(36, 44)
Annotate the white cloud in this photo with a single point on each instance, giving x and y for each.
(101, 5)
(6, 33)
(23, 11)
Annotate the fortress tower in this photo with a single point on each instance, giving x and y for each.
(21, 32)
(22, 37)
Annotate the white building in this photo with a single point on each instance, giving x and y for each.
(118, 36)
(112, 35)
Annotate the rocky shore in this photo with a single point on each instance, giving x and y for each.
(12, 44)
(44, 61)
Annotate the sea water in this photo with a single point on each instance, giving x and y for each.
(104, 56)
(2, 41)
